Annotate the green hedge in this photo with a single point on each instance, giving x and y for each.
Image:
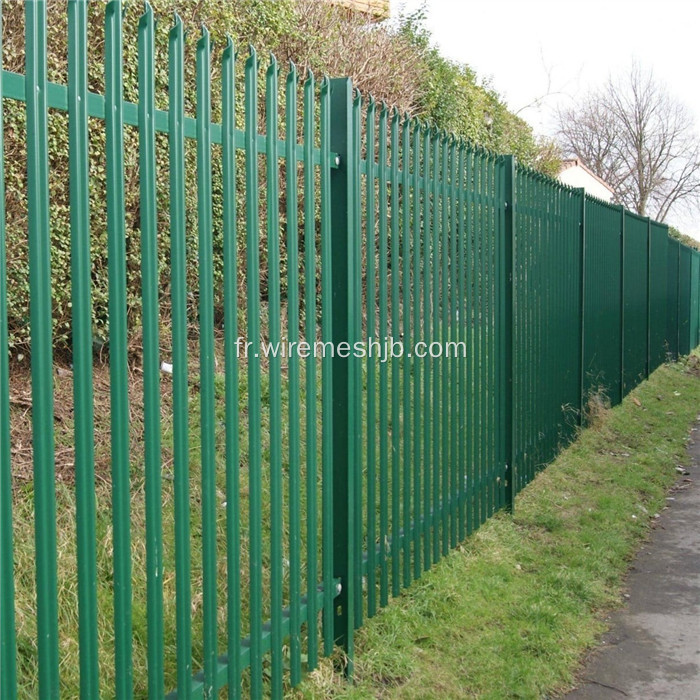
(402, 70)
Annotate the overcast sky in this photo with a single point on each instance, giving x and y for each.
(529, 48)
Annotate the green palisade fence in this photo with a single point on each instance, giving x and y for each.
(270, 504)
(602, 355)
(635, 257)
(685, 271)
(658, 289)
(694, 305)
(673, 297)
(547, 342)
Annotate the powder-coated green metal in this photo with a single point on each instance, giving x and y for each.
(582, 301)
(694, 305)
(658, 290)
(672, 297)
(327, 384)
(151, 351)
(463, 336)
(602, 305)
(230, 260)
(492, 351)
(487, 357)
(355, 330)
(428, 154)
(685, 261)
(482, 342)
(499, 341)
(648, 344)
(342, 260)
(383, 369)
(81, 280)
(118, 368)
(254, 372)
(57, 98)
(443, 297)
(623, 272)
(244, 651)
(371, 296)
(41, 347)
(469, 322)
(181, 448)
(416, 290)
(406, 363)
(436, 444)
(506, 328)
(8, 641)
(230, 253)
(395, 244)
(473, 174)
(311, 408)
(294, 420)
(555, 295)
(461, 326)
(636, 262)
(455, 426)
(206, 361)
(546, 295)
(273, 263)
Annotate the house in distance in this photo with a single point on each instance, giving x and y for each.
(574, 173)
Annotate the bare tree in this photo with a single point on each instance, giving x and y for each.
(639, 139)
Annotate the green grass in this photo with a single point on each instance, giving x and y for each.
(68, 623)
(512, 612)
(508, 614)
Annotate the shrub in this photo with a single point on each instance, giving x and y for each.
(393, 62)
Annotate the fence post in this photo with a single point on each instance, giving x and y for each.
(697, 301)
(622, 302)
(343, 325)
(506, 330)
(678, 300)
(582, 302)
(648, 360)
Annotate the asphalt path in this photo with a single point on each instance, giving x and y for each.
(653, 648)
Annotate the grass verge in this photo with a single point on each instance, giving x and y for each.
(67, 567)
(511, 612)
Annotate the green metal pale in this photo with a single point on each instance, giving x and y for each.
(118, 340)
(81, 280)
(8, 641)
(181, 441)
(356, 223)
(39, 240)
(151, 352)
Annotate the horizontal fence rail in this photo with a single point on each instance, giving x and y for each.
(229, 516)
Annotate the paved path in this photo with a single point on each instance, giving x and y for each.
(653, 648)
